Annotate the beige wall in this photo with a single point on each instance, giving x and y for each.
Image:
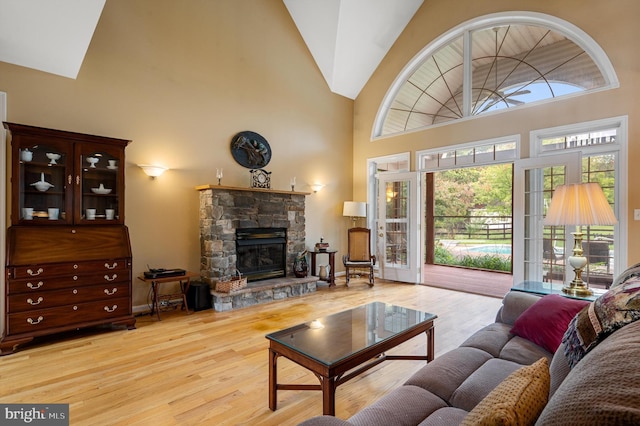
(180, 79)
(612, 24)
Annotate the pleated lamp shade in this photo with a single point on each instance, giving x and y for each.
(579, 204)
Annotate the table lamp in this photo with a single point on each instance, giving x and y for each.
(579, 204)
(354, 209)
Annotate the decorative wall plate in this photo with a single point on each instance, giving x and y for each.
(250, 150)
(260, 179)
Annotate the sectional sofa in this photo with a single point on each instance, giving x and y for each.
(548, 360)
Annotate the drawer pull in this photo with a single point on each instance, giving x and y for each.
(75, 278)
(75, 307)
(75, 291)
(115, 264)
(112, 309)
(106, 277)
(75, 266)
(37, 302)
(34, 322)
(36, 286)
(110, 293)
(33, 274)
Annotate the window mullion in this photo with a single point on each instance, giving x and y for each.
(466, 67)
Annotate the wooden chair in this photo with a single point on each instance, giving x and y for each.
(359, 256)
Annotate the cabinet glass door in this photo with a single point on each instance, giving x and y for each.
(101, 197)
(44, 177)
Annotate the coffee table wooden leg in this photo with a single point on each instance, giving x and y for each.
(328, 396)
(431, 340)
(273, 380)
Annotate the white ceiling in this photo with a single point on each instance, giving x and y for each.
(347, 38)
(50, 36)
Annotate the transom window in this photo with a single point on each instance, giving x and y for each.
(492, 64)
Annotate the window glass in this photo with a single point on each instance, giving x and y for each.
(511, 64)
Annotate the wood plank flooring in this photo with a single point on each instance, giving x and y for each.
(495, 284)
(210, 368)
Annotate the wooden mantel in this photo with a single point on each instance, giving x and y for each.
(238, 188)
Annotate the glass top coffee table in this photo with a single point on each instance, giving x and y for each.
(338, 347)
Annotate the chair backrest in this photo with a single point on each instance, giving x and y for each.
(596, 251)
(359, 244)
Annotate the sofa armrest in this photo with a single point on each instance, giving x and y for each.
(324, 421)
(514, 304)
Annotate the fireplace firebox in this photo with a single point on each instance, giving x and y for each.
(261, 253)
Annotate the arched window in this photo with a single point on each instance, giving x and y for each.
(493, 63)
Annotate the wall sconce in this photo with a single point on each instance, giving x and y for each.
(153, 171)
(317, 187)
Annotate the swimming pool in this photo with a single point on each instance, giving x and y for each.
(491, 249)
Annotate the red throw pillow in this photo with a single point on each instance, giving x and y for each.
(545, 322)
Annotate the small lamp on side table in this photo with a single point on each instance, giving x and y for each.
(579, 204)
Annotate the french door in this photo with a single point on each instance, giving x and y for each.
(398, 227)
(540, 250)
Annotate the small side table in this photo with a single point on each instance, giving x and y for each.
(546, 288)
(184, 281)
(331, 278)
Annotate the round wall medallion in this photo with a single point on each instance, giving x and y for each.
(250, 150)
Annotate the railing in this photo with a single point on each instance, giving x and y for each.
(473, 227)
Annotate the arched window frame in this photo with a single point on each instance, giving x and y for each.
(464, 30)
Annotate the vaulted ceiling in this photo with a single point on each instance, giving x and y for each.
(347, 38)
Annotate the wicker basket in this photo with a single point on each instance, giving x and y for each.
(232, 284)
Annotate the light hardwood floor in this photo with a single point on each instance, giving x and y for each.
(210, 368)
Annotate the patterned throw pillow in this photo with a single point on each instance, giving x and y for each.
(631, 272)
(518, 400)
(609, 312)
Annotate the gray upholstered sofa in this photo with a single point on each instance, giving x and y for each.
(602, 388)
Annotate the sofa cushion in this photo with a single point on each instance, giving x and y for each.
(446, 416)
(545, 322)
(406, 405)
(523, 351)
(611, 311)
(514, 304)
(558, 369)
(518, 400)
(491, 338)
(481, 382)
(604, 388)
(443, 375)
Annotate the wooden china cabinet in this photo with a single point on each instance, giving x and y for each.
(68, 260)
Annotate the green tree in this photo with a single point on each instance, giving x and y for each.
(493, 189)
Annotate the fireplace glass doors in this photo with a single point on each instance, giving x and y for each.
(261, 252)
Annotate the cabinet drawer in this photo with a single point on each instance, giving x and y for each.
(44, 284)
(80, 294)
(41, 320)
(71, 268)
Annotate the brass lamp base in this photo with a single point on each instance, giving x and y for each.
(577, 289)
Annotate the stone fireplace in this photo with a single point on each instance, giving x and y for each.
(227, 211)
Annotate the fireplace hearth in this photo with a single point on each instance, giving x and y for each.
(261, 253)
